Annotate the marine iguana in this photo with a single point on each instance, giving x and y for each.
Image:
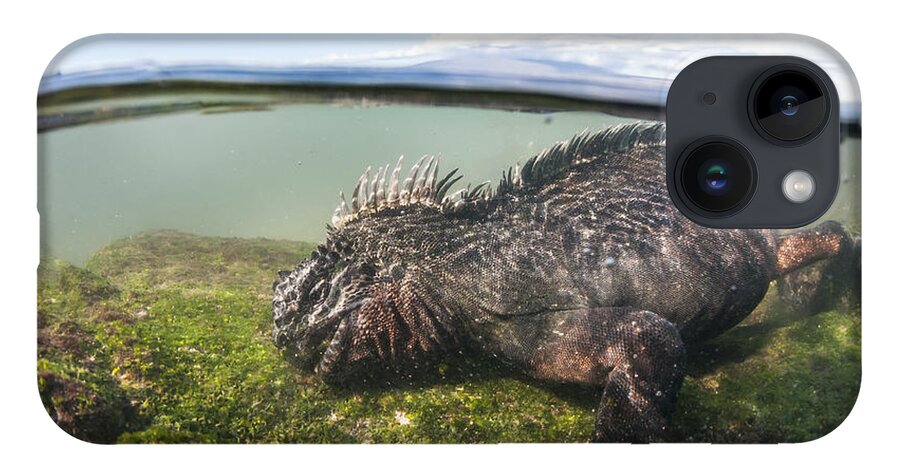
(577, 268)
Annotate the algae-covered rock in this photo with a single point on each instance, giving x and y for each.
(160, 259)
(98, 415)
(784, 378)
(166, 337)
(75, 378)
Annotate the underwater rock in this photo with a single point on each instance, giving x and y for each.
(239, 387)
(82, 412)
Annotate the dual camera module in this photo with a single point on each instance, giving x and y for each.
(752, 134)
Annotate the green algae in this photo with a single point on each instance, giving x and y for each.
(164, 338)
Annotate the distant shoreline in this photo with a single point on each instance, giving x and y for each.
(271, 95)
(279, 94)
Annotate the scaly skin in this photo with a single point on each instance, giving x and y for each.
(578, 269)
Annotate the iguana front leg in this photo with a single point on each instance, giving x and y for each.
(637, 356)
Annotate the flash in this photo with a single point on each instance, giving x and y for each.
(798, 186)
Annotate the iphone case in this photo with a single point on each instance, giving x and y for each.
(504, 264)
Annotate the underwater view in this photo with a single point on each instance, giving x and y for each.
(169, 209)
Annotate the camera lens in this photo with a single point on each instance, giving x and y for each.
(717, 176)
(713, 177)
(790, 104)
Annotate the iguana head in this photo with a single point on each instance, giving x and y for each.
(311, 301)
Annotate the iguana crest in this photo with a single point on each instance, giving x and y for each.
(421, 185)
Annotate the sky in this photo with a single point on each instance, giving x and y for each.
(644, 65)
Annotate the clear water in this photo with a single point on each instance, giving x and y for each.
(275, 172)
(271, 173)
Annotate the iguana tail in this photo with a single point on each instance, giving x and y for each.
(796, 250)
